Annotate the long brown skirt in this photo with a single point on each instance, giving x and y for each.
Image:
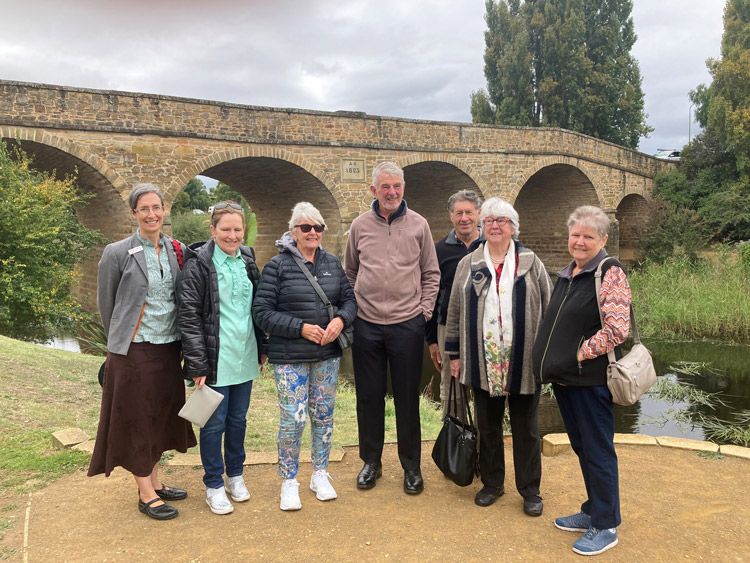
(141, 396)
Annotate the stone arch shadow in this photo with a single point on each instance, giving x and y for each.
(544, 201)
(106, 211)
(430, 181)
(272, 181)
(632, 216)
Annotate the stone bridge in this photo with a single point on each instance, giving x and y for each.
(276, 157)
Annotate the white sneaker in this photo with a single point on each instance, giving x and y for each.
(217, 501)
(320, 485)
(290, 495)
(237, 489)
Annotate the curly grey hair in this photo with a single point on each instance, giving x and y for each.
(498, 207)
(305, 210)
(590, 216)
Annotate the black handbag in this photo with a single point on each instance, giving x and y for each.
(455, 450)
(346, 336)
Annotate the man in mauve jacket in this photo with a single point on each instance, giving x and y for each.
(392, 266)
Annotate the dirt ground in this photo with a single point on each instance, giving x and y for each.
(676, 506)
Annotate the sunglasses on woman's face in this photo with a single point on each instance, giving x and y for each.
(308, 228)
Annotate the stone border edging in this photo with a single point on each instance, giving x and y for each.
(553, 444)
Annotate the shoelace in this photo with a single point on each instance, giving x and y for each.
(324, 473)
(591, 532)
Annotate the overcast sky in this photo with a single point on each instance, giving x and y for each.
(404, 58)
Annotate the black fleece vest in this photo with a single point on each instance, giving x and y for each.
(572, 317)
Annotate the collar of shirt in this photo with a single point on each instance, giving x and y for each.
(221, 257)
(146, 242)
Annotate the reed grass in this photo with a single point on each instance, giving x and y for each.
(703, 299)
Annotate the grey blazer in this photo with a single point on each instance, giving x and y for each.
(122, 287)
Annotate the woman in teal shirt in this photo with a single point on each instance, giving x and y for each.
(219, 282)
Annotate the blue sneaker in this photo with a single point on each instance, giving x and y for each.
(595, 541)
(574, 523)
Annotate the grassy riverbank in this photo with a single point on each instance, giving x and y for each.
(708, 299)
(46, 390)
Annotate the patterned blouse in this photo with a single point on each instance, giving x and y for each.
(158, 324)
(615, 300)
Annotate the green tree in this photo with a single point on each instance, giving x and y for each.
(714, 175)
(41, 243)
(729, 99)
(189, 228)
(192, 196)
(224, 192)
(563, 63)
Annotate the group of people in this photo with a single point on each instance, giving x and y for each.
(481, 299)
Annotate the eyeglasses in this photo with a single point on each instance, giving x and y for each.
(501, 221)
(146, 210)
(224, 204)
(308, 228)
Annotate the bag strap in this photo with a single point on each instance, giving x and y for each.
(634, 327)
(315, 284)
(178, 253)
(465, 414)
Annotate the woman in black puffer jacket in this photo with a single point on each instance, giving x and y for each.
(222, 347)
(303, 347)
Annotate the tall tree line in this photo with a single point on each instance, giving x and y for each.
(563, 63)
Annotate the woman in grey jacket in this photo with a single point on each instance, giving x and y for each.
(499, 296)
(143, 389)
(303, 347)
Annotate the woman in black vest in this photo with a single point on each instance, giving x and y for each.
(571, 353)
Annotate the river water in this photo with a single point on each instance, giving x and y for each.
(727, 373)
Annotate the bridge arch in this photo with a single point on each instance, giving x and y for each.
(430, 182)
(106, 212)
(544, 203)
(632, 215)
(272, 180)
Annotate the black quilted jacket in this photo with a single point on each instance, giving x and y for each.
(286, 300)
(198, 310)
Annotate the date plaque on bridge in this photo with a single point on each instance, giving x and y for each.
(352, 170)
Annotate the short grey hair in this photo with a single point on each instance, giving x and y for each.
(464, 195)
(139, 190)
(590, 216)
(305, 210)
(390, 168)
(498, 207)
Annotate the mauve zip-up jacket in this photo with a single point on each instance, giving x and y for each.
(392, 266)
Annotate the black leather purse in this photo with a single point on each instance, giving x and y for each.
(455, 450)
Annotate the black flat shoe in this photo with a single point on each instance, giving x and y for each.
(170, 493)
(533, 506)
(370, 472)
(162, 512)
(413, 483)
(487, 495)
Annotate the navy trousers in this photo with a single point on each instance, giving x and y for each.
(589, 420)
(377, 348)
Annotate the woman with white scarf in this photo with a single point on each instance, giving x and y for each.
(499, 296)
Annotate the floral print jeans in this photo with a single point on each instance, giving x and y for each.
(306, 388)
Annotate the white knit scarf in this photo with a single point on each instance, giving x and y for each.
(497, 324)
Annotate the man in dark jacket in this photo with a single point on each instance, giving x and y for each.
(463, 207)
